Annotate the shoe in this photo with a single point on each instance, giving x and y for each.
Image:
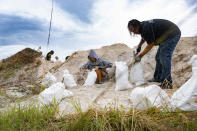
(99, 82)
(153, 80)
(166, 85)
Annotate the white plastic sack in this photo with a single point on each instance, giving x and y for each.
(122, 82)
(68, 79)
(91, 79)
(137, 74)
(153, 95)
(56, 91)
(185, 98)
(49, 80)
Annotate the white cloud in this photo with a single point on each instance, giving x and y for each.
(40, 9)
(108, 18)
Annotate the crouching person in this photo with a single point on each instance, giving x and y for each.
(99, 65)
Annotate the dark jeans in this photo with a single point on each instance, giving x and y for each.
(163, 59)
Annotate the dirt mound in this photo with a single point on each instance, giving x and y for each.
(104, 94)
(112, 53)
(23, 57)
(10, 65)
(181, 70)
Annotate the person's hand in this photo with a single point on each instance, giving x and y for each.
(82, 68)
(137, 58)
(138, 49)
(96, 68)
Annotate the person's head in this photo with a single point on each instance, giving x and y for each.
(67, 57)
(51, 52)
(134, 26)
(92, 59)
(56, 57)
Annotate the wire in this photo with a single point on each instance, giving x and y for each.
(49, 35)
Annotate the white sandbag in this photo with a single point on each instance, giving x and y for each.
(153, 95)
(68, 79)
(122, 82)
(137, 74)
(91, 79)
(49, 80)
(137, 98)
(56, 91)
(185, 98)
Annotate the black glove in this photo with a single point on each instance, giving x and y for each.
(137, 58)
(139, 49)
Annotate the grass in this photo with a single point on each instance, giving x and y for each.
(36, 118)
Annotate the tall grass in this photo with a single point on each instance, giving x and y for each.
(113, 119)
(27, 118)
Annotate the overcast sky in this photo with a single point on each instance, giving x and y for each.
(84, 24)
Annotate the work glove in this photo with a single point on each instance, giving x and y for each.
(138, 49)
(137, 59)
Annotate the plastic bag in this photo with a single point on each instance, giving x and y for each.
(153, 95)
(54, 92)
(185, 98)
(137, 74)
(91, 79)
(122, 82)
(49, 80)
(68, 79)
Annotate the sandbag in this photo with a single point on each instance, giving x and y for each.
(91, 79)
(49, 80)
(122, 82)
(55, 92)
(68, 80)
(153, 95)
(137, 74)
(185, 98)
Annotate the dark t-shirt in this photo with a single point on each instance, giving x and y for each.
(48, 57)
(158, 30)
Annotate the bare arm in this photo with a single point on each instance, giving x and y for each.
(147, 49)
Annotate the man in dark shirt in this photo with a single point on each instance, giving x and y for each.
(49, 54)
(159, 32)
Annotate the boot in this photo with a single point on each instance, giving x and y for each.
(166, 84)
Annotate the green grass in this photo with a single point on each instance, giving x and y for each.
(35, 118)
(28, 118)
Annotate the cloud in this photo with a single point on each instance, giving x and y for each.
(15, 29)
(107, 21)
(79, 9)
(40, 9)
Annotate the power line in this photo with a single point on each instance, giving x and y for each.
(49, 35)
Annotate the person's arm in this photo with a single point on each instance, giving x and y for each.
(147, 49)
(141, 42)
(140, 45)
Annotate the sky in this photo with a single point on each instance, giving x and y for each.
(84, 24)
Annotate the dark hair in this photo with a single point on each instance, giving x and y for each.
(51, 52)
(67, 57)
(134, 23)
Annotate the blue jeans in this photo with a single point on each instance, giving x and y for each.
(163, 59)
